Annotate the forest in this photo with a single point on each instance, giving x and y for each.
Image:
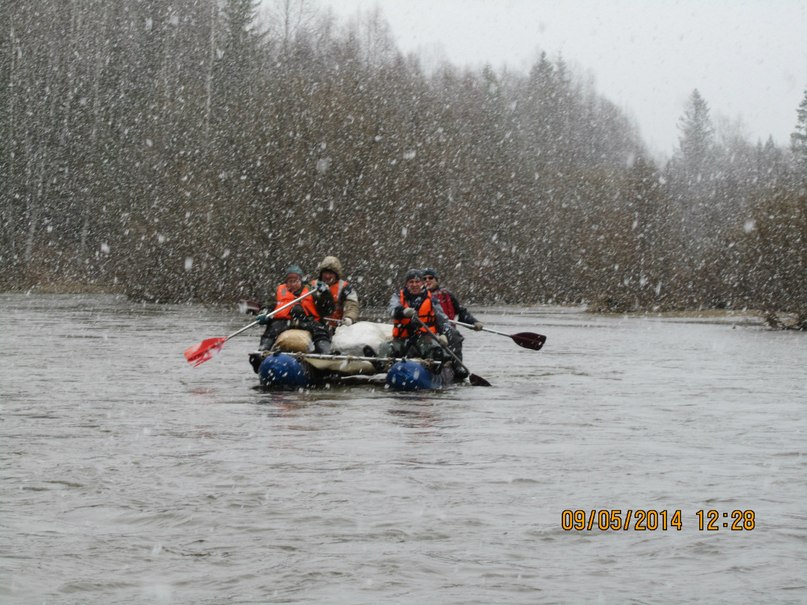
(188, 151)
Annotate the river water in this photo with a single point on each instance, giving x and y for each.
(130, 477)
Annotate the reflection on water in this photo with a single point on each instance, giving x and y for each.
(131, 477)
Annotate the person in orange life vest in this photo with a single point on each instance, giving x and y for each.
(452, 308)
(305, 315)
(409, 339)
(345, 298)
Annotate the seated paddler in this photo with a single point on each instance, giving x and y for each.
(420, 328)
(307, 314)
(345, 299)
(451, 307)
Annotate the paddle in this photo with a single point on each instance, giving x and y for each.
(528, 340)
(198, 354)
(475, 380)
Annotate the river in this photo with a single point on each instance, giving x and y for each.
(129, 476)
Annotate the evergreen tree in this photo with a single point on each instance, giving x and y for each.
(799, 137)
(696, 142)
(692, 175)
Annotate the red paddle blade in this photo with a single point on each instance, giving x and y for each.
(198, 354)
(528, 340)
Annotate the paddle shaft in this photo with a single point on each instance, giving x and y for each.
(244, 329)
(270, 315)
(477, 380)
(464, 325)
(528, 340)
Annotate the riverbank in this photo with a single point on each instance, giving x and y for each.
(774, 320)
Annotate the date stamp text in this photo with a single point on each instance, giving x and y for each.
(650, 519)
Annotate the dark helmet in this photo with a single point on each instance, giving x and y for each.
(413, 274)
(432, 272)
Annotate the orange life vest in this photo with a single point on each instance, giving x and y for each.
(402, 328)
(336, 291)
(284, 296)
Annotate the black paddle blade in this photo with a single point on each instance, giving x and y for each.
(478, 381)
(529, 340)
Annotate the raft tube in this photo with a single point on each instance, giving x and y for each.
(409, 375)
(285, 371)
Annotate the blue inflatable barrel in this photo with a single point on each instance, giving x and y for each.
(285, 371)
(409, 376)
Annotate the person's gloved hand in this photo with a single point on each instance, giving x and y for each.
(322, 288)
(347, 321)
(263, 317)
(297, 312)
(443, 340)
(478, 325)
(409, 312)
(397, 313)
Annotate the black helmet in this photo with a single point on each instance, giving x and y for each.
(413, 274)
(430, 271)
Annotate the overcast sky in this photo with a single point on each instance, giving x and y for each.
(748, 58)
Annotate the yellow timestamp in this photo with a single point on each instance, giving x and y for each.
(650, 519)
(735, 520)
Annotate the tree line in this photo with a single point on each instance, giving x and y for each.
(190, 151)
